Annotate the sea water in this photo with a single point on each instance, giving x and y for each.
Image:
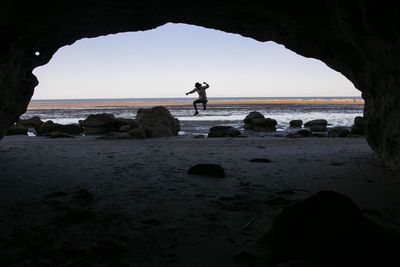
(216, 114)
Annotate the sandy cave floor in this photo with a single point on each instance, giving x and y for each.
(91, 202)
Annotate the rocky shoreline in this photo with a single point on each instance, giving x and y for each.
(158, 122)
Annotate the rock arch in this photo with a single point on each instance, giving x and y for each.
(358, 38)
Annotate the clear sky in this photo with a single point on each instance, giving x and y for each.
(167, 61)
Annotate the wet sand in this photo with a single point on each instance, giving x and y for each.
(91, 202)
(47, 105)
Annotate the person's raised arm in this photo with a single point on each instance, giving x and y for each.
(191, 92)
(206, 85)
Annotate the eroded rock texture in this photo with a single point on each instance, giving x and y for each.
(358, 38)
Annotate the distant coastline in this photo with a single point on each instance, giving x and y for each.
(84, 103)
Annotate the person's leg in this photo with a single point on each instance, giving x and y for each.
(195, 107)
(205, 104)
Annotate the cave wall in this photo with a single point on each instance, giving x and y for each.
(360, 39)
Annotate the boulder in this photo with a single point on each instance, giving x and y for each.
(316, 122)
(50, 126)
(98, 120)
(33, 122)
(318, 128)
(157, 122)
(359, 126)
(329, 226)
(223, 131)
(17, 129)
(338, 132)
(98, 124)
(257, 122)
(296, 123)
(207, 169)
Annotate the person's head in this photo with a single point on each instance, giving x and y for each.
(197, 85)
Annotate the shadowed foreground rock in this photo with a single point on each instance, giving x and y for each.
(329, 227)
(207, 169)
(223, 131)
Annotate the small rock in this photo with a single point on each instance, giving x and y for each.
(223, 131)
(296, 123)
(338, 132)
(299, 134)
(316, 122)
(207, 169)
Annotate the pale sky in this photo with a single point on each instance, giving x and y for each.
(167, 61)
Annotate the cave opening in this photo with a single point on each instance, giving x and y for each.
(164, 63)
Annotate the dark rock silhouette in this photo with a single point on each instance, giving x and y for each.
(158, 122)
(359, 126)
(223, 131)
(296, 123)
(299, 134)
(50, 126)
(338, 132)
(257, 122)
(17, 129)
(329, 227)
(97, 124)
(207, 169)
(316, 122)
(33, 122)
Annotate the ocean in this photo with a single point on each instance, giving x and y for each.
(219, 113)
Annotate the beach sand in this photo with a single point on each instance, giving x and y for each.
(91, 202)
(50, 105)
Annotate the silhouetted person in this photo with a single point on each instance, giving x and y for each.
(201, 90)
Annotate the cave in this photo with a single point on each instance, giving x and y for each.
(356, 38)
